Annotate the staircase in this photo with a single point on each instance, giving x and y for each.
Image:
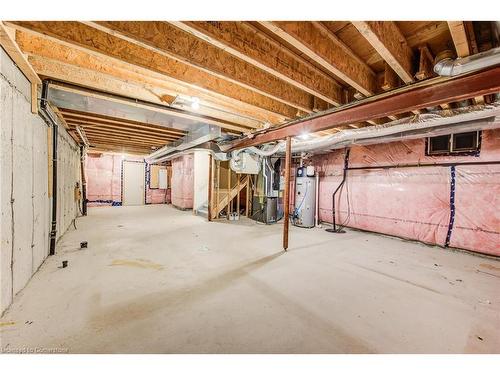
(223, 197)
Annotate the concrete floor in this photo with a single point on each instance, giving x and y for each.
(158, 280)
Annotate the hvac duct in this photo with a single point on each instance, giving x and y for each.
(449, 67)
(424, 125)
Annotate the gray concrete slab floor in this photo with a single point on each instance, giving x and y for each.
(158, 280)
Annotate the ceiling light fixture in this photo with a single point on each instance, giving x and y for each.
(195, 103)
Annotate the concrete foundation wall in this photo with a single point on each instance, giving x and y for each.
(24, 183)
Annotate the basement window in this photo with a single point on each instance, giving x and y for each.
(454, 144)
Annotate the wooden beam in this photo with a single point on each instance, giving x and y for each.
(459, 36)
(8, 42)
(286, 193)
(243, 40)
(434, 92)
(90, 39)
(172, 42)
(391, 44)
(315, 41)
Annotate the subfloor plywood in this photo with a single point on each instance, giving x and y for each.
(157, 280)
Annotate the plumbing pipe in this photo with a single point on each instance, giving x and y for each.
(344, 176)
(395, 129)
(84, 181)
(53, 122)
(316, 213)
(450, 68)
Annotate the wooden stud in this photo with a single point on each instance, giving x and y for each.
(247, 202)
(34, 98)
(286, 195)
(238, 176)
(210, 187)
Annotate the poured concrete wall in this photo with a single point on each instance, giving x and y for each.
(24, 171)
(68, 174)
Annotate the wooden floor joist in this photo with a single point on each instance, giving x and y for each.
(199, 54)
(84, 37)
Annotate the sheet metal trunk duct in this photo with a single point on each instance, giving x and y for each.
(452, 67)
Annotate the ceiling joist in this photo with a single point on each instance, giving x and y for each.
(316, 42)
(88, 38)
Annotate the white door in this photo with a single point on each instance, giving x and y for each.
(133, 183)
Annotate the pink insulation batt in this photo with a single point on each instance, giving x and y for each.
(183, 181)
(104, 181)
(414, 203)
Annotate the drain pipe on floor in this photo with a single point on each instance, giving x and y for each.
(53, 122)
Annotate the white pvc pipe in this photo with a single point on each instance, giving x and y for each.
(394, 128)
(316, 214)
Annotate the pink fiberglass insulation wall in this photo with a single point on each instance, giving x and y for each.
(104, 181)
(415, 203)
(183, 181)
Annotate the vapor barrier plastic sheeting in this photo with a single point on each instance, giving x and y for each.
(183, 181)
(104, 181)
(416, 203)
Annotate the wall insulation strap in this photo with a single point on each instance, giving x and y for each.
(452, 205)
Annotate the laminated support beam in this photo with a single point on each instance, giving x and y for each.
(429, 94)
